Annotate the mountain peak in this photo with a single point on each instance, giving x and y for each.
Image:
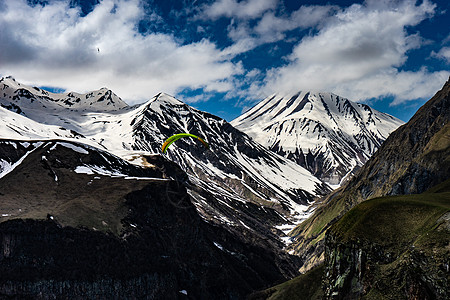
(328, 134)
(164, 102)
(166, 98)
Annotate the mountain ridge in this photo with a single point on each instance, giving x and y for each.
(100, 100)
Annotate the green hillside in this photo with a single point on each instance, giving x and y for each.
(404, 242)
(306, 286)
(394, 220)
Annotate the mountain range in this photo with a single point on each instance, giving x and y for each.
(57, 146)
(86, 190)
(234, 171)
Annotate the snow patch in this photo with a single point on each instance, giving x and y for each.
(77, 149)
(218, 246)
(6, 167)
(84, 170)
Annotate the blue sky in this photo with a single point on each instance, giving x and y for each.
(224, 56)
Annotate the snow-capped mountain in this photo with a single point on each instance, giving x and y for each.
(236, 183)
(327, 134)
(35, 99)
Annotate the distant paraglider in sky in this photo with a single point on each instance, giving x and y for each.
(175, 137)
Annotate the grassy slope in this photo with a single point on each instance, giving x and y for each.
(438, 147)
(393, 220)
(399, 222)
(307, 286)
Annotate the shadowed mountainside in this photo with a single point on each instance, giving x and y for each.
(79, 222)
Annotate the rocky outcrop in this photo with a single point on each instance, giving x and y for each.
(355, 270)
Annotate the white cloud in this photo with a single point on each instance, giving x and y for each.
(271, 28)
(54, 46)
(444, 54)
(403, 85)
(358, 53)
(247, 9)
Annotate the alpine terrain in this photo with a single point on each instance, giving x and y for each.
(80, 223)
(329, 135)
(239, 174)
(386, 233)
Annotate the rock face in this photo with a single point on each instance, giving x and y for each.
(355, 271)
(78, 222)
(414, 158)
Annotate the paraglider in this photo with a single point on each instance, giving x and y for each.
(175, 137)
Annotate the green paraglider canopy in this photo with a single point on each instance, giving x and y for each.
(175, 137)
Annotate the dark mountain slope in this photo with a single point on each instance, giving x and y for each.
(392, 247)
(414, 158)
(77, 222)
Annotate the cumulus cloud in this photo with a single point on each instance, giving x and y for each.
(53, 45)
(247, 9)
(358, 53)
(444, 54)
(305, 17)
(271, 26)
